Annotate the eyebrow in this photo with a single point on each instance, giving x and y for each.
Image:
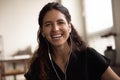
(51, 21)
(47, 22)
(60, 20)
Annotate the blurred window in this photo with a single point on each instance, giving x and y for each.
(99, 19)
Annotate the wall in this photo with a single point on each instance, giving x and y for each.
(116, 20)
(18, 23)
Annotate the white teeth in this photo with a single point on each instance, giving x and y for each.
(56, 36)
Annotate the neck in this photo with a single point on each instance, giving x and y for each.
(61, 52)
(61, 56)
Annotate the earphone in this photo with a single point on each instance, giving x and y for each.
(51, 60)
(43, 35)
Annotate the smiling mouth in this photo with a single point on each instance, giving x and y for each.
(58, 36)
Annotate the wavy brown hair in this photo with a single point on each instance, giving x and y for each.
(39, 64)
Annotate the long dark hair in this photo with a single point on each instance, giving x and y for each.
(39, 64)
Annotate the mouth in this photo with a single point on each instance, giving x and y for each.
(57, 36)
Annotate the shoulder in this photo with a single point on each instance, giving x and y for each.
(94, 55)
(96, 63)
(89, 53)
(93, 58)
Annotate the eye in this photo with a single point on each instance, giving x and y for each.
(61, 22)
(47, 24)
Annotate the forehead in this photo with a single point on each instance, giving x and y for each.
(53, 15)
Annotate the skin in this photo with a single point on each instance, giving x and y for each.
(109, 74)
(56, 30)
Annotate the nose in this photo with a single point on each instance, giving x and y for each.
(55, 27)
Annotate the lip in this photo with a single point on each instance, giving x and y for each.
(56, 36)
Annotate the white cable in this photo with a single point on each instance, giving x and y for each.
(67, 62)
(54, 67)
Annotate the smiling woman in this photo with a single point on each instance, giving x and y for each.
(62, 54)
(56, 29)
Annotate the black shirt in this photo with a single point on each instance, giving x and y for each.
(83, 65)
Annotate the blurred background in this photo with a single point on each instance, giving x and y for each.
(97, 21)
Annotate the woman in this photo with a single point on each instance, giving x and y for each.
(62, 54)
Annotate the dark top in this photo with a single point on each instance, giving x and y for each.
(83, 65)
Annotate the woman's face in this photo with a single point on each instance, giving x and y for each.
(56, 29)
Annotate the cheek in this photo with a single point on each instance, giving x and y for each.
(46, 32)
(68, 29)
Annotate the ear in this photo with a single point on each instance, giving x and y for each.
(69, 27)
(42, 32)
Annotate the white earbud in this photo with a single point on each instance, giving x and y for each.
(43, 35)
